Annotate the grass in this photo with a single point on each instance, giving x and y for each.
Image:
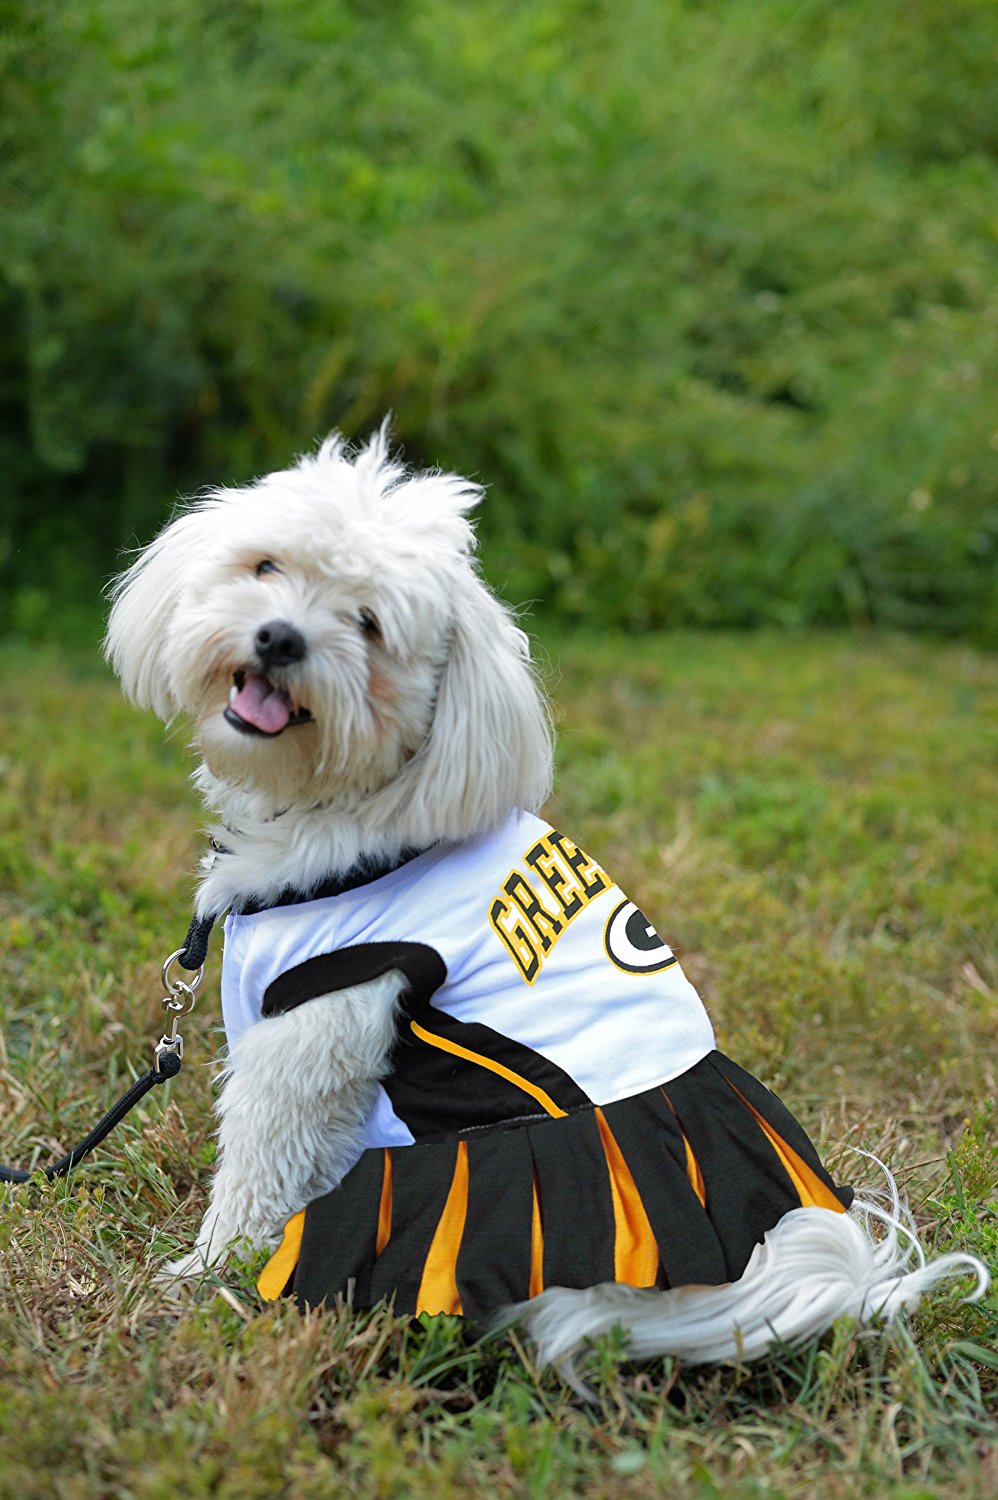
(811, 823)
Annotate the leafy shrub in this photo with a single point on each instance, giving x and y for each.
(705, 292)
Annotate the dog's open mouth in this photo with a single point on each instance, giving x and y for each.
(257, 706)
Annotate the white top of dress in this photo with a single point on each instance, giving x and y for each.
(538, 943)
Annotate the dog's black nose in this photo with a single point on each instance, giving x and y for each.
(278, 644)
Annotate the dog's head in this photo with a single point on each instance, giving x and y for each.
(328, 634)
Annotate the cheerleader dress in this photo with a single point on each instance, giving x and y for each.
(556, 1112)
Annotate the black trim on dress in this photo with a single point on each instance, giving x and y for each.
(340, 970)
(364, 872)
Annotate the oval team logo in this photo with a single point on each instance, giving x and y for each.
(632, 943)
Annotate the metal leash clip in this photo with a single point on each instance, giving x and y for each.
(178, 1001)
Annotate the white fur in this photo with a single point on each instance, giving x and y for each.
(297, 1090)
(813, 1267)
(431, 729)
(433, 732)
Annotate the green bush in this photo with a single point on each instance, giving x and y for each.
(705, 292)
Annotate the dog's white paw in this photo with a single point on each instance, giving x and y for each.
(187, 1268)
(209, 1251)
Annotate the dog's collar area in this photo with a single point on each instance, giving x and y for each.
(364, 872)
(195, 949)
(260, 707)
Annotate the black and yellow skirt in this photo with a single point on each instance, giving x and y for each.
(674, 1186)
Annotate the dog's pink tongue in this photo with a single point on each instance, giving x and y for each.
(261, 704)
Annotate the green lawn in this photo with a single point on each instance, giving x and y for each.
(810, 822)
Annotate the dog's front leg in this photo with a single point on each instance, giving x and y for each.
(296, 1092)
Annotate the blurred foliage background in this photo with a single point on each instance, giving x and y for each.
(704, 292)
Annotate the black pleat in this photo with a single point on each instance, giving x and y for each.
(573, 1188)
(421, 1181)
(493, 1265)
(748, 1189)
(651, 1143)
(775, 1113)
(340, 1235)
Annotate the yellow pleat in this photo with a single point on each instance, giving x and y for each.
(384, 1207)
(536, 1283)
(808, 1186)
(635, 1249)
(438, 1291)
(277, 1272)
(694, 1173)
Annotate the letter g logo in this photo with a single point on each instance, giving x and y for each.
(632, 943)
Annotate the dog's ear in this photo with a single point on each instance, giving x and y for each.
(489, 748)
(144, 598)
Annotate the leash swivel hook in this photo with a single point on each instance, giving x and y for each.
(178, 1001)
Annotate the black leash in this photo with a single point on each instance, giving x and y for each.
(168, 1067)
(177, 1002)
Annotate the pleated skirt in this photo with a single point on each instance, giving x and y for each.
(672, 1187)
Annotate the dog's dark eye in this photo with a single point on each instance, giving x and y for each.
(266, 566)
(369, 624)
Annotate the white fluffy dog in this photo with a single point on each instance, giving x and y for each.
(359, 698)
